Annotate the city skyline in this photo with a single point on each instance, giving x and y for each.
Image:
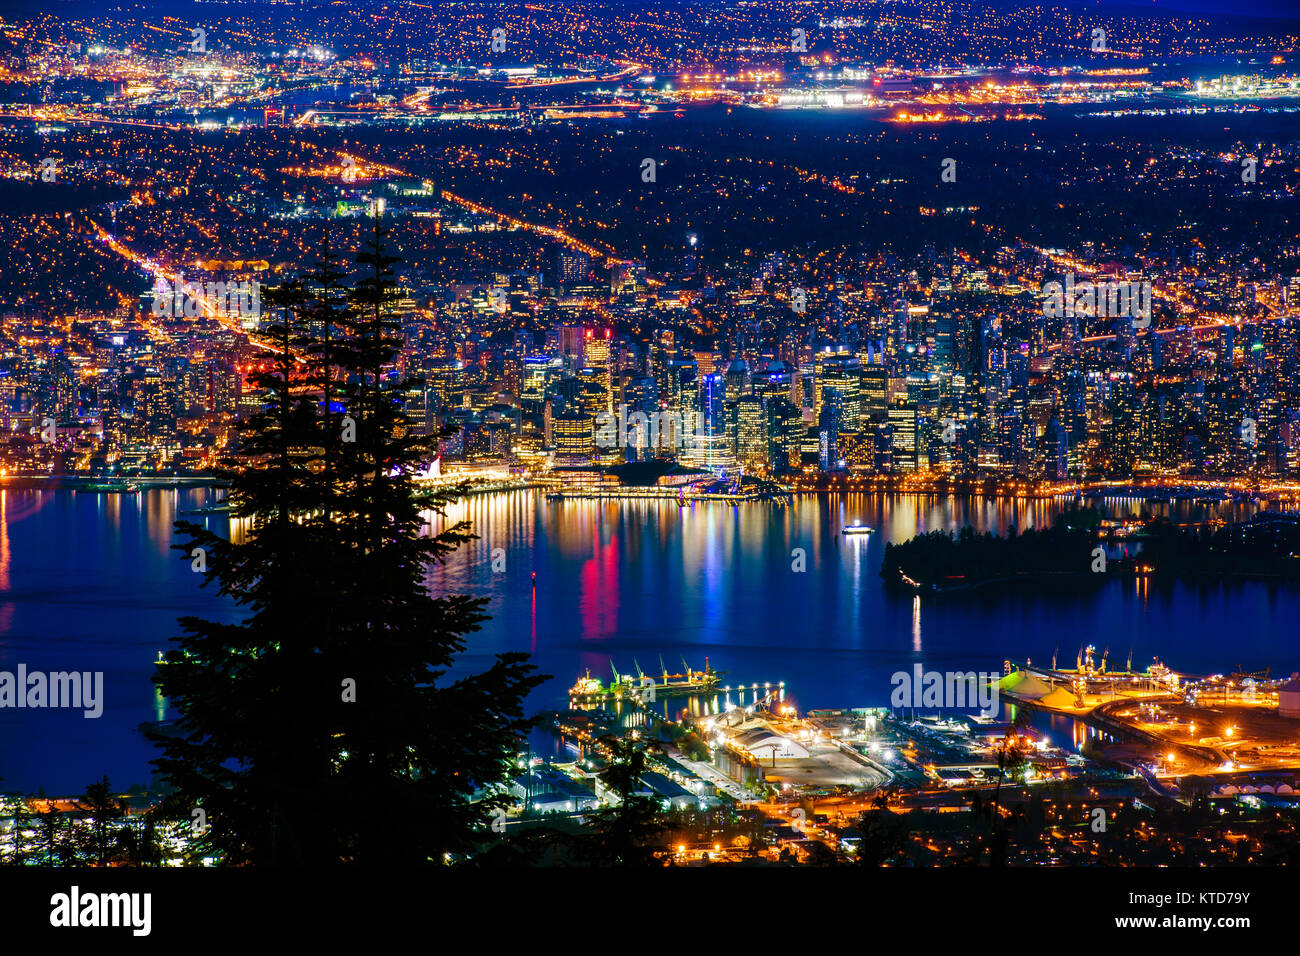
(621, 436)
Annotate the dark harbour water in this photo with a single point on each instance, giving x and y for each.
(87, 582)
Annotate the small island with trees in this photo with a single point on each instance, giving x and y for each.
(1081, 548)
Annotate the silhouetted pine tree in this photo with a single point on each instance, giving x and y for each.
(101, 817)
(324, 728)
(138, 842)
(55, 845)
(627, 834)
(22, 850)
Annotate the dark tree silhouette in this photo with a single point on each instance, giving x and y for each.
(55, 843)
(626, 834)
(883, 837)
(21, 851)
(101, 814)
(324, 727)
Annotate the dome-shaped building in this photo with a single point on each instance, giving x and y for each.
(1288, 697)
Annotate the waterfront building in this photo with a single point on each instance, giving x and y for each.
(829, 424)
(574, 436)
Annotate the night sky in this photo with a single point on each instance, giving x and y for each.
(1257, 8)
(1254, 8)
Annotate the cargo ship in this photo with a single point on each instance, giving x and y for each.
(589, 690)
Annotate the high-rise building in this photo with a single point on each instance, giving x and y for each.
(639, 398)
(594, 395)
(596, 352)
(830, 423)
(709, 448)
(684, 378)
(572, 266)
(574, 436)
(904, 432)
(784, 434)
(773, 380)
(706, 362)
(923, 392)
(874, 394)
(1056, 448)
(572, 339)
(842, 372)
(737, 379)
(751, 432)
(538, 372)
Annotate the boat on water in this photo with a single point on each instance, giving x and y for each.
(220, 508)
(947, 725)
(112, 487)
(589, 690)
(857, 529)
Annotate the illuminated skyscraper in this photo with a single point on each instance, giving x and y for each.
(829, 425)
(639, 397)
(751, 432)
(737, 379)
(574, 435)
(538, 371)
(572, 339)
(709, 448)
(572, 266)
(874, 395)
(595, 397)
(842, 372)
(773, 380)
(596, 357)
(784, 433)
(904, 431)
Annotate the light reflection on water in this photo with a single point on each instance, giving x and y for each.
(89, 581)
(628, 581)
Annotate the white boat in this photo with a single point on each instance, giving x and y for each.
(857, 529)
